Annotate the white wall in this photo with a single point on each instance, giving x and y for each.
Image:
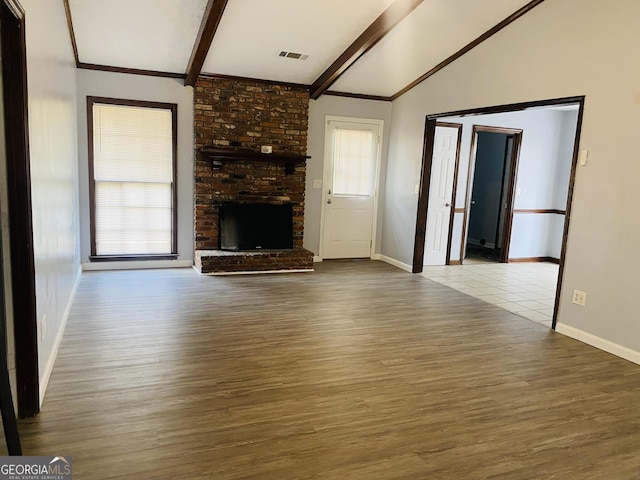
(542, 179)
(561, 48)
(318, 110)
(54, 172)
(153, 89)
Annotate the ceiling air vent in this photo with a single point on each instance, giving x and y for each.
(294, 55)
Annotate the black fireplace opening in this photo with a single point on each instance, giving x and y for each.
(256, 226)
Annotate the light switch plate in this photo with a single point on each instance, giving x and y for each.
(317, 184)
(584, 157)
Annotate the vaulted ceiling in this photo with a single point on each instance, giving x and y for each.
(370, 48)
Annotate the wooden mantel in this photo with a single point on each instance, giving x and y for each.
(220, 156)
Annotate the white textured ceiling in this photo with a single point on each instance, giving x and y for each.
(253, 32)
(160, 35)
(434, 31)
(142, 34)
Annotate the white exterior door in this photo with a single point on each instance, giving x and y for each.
(440, 194)
(351, 171)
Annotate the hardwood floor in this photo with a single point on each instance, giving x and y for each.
(356, 371)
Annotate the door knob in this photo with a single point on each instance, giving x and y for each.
(473, 202)
(329, 200)
(447, 204)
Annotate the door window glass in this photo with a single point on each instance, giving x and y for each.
(353, 162)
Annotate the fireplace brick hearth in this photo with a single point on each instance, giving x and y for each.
(238, 115)
(219, 261)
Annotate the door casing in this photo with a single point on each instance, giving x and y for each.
(456, 170)
(427, 153)
(14, 69)
(510, 196)
(326, 175)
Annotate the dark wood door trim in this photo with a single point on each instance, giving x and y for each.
(508, 219)
(511, 197)
(429, 136)
(567, 216)
(423, 195)
(502, 190)
(7, 407)
(14, 70)
(455, 184)
(492, 129)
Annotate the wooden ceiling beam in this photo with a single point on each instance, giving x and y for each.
(382, 25)
(208, 27)
(72, 35)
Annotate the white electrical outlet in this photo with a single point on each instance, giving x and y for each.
(579, 298)
(266, 149)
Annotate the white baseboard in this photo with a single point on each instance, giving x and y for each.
(317, 259)
(394, 262)
(46, 374)
(376, 256)
(136, 265)
(601, 343)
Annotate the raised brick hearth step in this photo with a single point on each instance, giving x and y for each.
(220, 261)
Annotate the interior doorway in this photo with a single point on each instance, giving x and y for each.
(542, 212)
(493, 169)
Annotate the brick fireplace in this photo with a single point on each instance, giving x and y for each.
(233, 119)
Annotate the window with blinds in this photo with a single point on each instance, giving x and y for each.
(132, 169)
(353, 162)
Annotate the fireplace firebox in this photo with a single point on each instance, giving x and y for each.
(256, 226)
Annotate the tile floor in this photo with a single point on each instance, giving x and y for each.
(526, 289)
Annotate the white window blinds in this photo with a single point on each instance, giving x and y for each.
(133, 174)
(353, 161)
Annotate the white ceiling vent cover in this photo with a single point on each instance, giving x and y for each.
(294, 55)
